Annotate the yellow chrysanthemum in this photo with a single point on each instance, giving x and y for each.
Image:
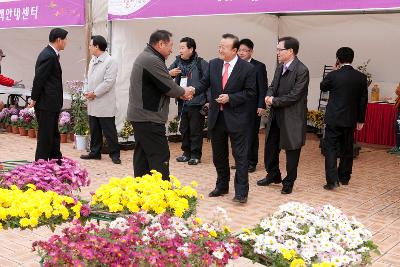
(298, 263)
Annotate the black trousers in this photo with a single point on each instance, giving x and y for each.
(191, 128)
(219, 142)
(151, 149)
(99, 126)
(48, 140)
(397, 127)
(271, 157)
(338, 142)
(252, 138)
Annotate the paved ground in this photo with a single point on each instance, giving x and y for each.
(372, 197)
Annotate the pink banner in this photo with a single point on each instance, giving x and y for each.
(41, 13)
(133, 9)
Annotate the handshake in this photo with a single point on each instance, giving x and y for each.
(189, 93)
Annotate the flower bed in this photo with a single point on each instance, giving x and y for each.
(299, 235)
(33, 208)
(149, 193)
(48, 176)
(141, 240)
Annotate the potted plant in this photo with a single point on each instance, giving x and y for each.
(32, 126)
(363, 69)
(79, 114)
(173, 127)
(25, 120)
(125, 133)
(64, 122)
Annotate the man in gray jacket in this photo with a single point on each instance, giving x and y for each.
(149, 95)
(101, 103)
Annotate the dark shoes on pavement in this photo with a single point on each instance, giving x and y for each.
(116, 160)
(331, 186)
(251, 168)
(218, 192)
(90, 156)
(269, 180)
(182, 158)
(194, 161)
(240, 199)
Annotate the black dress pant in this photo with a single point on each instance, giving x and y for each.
(220, 149)
(252, 138)
(191, 128)
(271, 157)
(151, 149)
(100, 126)
(48, 140)
(338, 142)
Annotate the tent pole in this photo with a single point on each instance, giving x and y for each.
(88, 31)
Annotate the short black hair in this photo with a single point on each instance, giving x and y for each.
(159, 35)
(345, 55)
(190, 43)
(100, 41)
(290, 43)
(235, 39)
(57, 33)
(247, 42)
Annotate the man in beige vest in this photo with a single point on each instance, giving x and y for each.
(101, 103)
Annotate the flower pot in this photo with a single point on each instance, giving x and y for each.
(71, 137)
(31, 133)
(128, 145)
(22, 131)
(176, 138)
(9, 128)
(63, 138)
(81, 142)
(1, 125)
(15, 129)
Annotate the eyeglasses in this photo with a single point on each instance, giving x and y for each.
(281, 49)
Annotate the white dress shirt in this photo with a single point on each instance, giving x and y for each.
(232, 64)
(55, 50)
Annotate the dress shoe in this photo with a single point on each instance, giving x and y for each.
(116, 160)
(90, 156)
(251, 168)
(218, 192)
(193, 161)
(182, 158)
(268, 180)
(240, 199)
(286, 190)
(331, 186)
(344, 182)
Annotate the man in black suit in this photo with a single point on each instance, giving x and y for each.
(257, 104)
(47, 96)
(232, 82)
(286, 126)
(348, 98)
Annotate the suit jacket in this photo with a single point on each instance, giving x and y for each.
(47, 89)
(261, 82)
(289, 105)
(102, 75)
(348, 97)
(241, 87)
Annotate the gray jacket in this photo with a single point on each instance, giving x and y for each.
(151, 88)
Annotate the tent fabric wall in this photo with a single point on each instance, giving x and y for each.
(372, 36)
(130, 37)
(22, 46)
(100, 13)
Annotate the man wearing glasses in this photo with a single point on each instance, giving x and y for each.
(286, 126)
(257, 104)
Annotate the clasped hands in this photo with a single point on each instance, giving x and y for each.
(90, 95)
(268, 100)
(189, 93)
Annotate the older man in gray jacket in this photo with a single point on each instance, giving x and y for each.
(101, 98)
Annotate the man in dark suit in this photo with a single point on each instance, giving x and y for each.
(232, 82)
(257, 104)
(286, 126)
(47, 96)
(348, 97)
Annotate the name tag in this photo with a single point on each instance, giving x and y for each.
(183, 82)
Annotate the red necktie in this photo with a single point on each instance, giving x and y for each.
(224, 80)
(225, 76)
